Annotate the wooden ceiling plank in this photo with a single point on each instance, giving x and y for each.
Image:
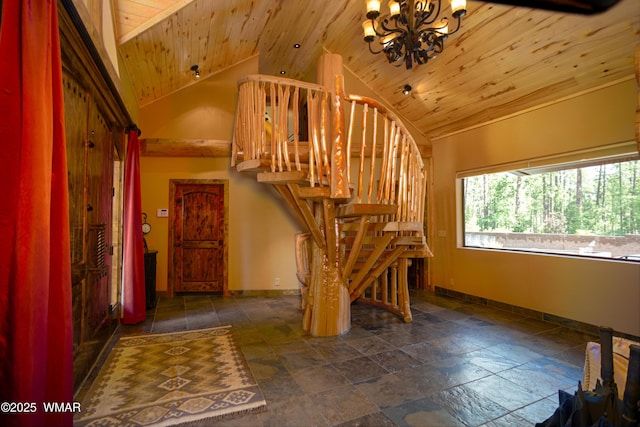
(503, 58)
(157, 18)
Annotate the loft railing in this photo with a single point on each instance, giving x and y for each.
(389, 160)
(272, 115)
(285, 125)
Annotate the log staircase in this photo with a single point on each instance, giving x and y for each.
(356, 181)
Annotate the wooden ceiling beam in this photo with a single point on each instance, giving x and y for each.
(167, 147)
(157, 147)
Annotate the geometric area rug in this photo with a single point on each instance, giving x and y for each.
(171, 379)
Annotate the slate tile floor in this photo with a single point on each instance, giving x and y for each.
(456, 364)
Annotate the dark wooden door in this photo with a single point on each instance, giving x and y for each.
(198, 236)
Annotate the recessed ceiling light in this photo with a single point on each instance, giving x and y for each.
(297, 45)
(283, 72)
(406, 90)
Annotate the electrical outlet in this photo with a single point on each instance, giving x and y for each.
(276, 281)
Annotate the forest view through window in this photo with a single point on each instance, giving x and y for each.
(588, 210)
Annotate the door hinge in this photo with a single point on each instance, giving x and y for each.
(110, 249)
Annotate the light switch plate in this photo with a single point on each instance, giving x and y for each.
(163, 213)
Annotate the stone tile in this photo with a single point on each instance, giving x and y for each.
(388, 390)
(429, 318)
(566, 336)
(359, 369)
(425, 352)
(509, 420)
(452, 314)
(505, 393)
(372, 345)
(279, 387)
(291, 347)
(457, 344)
(540, 382)
(490, 360)
(427, 379)
(202, 321)
(356, 332)
(468, 406)
(400, 339)
(169, 324)
(343, 404)
(538, 411)
(426, 332)
(517, 353)
(421, 413)
(379, 327)
(319, 378)
(451, 327)
(474, 322)
(263, 368)
(250, 420)
(394, 360)
(302, 360)
(558, 367)
(500, 316)
(293, 411)
(257, 350)
(574, 355)
(377, 419)
(458, 371)
(337, 351)
(529, 325)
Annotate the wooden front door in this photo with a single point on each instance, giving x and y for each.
(198, 234)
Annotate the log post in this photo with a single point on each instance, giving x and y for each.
(328, 312)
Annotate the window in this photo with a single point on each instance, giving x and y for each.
(584, 208)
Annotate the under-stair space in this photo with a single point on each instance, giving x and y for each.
(353, 175)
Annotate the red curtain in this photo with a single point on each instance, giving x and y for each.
(134, 304)
(36, 353)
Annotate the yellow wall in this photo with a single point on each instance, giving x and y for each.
(261, 228)
(261, 232)
(598, 292)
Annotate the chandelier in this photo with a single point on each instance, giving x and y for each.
(409, 32)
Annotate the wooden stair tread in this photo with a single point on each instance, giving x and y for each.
(287, 177)
(262, 164)
(315, 193)
(255, 165)
(360, 209)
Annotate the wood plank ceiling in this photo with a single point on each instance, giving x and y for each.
(504, 60)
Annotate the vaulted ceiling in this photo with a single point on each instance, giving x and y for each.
(504, 60)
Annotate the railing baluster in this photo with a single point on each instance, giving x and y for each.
(312, 126)
(324, 125)
(274, 124)
(372, 164)
(296, 126)
(365, 111)
(353, 112)
(383, 165)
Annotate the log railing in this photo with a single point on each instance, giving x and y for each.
(269, 117)
(286, 124)
(390, 169)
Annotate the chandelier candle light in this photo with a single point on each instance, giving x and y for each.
(408, 33)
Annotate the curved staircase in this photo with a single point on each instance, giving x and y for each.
(355, 178)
